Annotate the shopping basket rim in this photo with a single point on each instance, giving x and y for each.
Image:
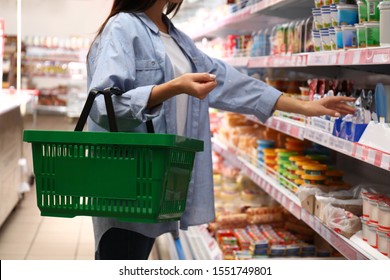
(112, 138)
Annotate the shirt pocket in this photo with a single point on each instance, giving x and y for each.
(148, 72)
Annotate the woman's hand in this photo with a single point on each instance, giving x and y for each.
(198, 85)
(334, 106)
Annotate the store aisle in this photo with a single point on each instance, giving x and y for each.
(27, 236)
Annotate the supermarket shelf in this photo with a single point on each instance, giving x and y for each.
(357, 57)
(352, 248)
(320, 136)
(361, 152)
(290, 127)
(259, 15)
(286, 198)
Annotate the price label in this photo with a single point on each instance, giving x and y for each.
(385, 163)
(379, 58)
(341, 58)
(359, 152)
(333, 59)
(348, 147)
(371, 156)
(356, 57)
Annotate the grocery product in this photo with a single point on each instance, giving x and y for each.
(382, 239)
(372, 237)
(365, 233)
(362, 10)
(361, 35)
(372, 34)
(347, 14)
(372, 10)
(313, 180)
(384, 8)
(384, 213)
(349, 36)
(315, 169)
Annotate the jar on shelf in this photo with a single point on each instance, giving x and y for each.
(347, 14)
(388, 244)
(384, 34)
(382, 239)
(362, 10)
(361, 35)
(349, 36)
(372, 34)
(372, 238)
(373, 201)
(339, 38)
(365, 232)
(384, 213)
(373, 10)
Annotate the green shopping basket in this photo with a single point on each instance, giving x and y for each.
(134, 177)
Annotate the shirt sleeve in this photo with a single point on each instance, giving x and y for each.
(111, 63)
(237, 92)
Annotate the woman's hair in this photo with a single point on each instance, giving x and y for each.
(134, 6)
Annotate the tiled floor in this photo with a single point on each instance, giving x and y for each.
(27, 236)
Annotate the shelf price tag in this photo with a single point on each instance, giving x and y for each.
(359, 152)
(348, 148)
(371, 156)
(385, 163)
(356, 57)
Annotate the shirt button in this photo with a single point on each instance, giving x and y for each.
(153, 62)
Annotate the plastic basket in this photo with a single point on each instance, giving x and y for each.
(134, 177)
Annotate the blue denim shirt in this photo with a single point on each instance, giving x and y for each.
(130, 55)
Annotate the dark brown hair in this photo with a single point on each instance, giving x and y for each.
(134, 6)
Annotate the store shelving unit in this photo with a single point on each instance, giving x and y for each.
(50, 68)
(371, 63)
(353, 149)
(350, 248)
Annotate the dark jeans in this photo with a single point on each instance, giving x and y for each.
(121, 244)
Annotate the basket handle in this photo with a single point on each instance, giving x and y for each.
(107, 93)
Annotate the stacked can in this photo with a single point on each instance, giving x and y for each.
(285, 177)
(265, 149)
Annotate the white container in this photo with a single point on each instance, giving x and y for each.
(388, 244)
(384, 214)
(373, 200)
(384, 23)
(364, 228)
(382, 240)
(372, 237)
(366, 205)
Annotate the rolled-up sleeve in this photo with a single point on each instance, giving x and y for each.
(237, 92)
(112, 64)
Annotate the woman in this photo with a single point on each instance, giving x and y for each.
(166, 79)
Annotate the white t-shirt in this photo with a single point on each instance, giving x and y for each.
(181, 65)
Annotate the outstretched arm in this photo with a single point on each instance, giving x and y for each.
(334, 106)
